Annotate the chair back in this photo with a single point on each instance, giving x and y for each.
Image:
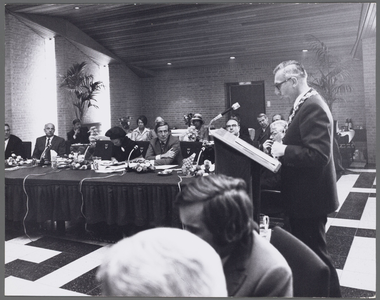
(311, 276)
(27, 149)
(143, 147)
(103, 149)
(188, 148)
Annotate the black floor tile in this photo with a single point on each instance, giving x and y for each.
(64, 245)
(366, 233)
(365, 180)
(338, 261)
(96, 291)
(348, 292)
(345, 231)
(83, 284)
(60, 260)
(339, 245)
(27, 270)
(353, 207)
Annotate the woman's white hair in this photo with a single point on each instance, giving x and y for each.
(162, 262)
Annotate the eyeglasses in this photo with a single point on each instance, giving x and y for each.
(232, 125)
(278, 85)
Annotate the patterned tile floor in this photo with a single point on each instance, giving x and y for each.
(45, 264)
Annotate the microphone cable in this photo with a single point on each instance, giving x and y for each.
(27, 200)
(82, 197)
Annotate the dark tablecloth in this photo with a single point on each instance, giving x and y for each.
(40, 194)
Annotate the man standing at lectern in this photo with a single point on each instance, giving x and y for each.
(308, 171)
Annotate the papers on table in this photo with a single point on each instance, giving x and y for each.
(164, 167)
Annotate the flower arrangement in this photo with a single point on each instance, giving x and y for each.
(187, 118)
(141, 165)
(191, 134)
(125, 122)
(16, 160)
(189, 169)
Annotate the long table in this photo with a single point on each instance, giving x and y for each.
(41, 194)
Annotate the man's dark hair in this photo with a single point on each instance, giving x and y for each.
(159, 124)
(76, 121)
(227, 211)
(262, 115)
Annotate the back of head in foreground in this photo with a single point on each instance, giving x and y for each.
(162, 262)
(227, 208)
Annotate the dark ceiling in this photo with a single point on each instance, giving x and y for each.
(148, 36)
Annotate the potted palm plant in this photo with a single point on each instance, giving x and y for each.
(331, 72)
(82, 88)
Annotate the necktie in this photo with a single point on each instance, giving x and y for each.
(48, 142)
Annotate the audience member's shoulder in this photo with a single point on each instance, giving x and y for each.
(267, 253)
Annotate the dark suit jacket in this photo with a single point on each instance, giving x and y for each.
(82, 137)
(58, 144)
(308, 171)
(14, 146)
(155, 149)
(261, 137)
(122, 155)
(257, 269)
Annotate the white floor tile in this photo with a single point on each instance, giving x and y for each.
(28, 253)
(358, 280)
(40, 255)
(24, 240)
(363, 190)
(73, 269)
(360, 265)
(59, 277)
(344, 223)
(14, 286)
(362, 247)
(362, 170)
(344, 185)
(368, 219)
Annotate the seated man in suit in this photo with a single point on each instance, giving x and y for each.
(79, 134)
(262, 134)
(218, 209)
(49, 142)
(13, 144)
(164, 149)
(270, 180)
(162, 262)
(122, 144)
(233, 126)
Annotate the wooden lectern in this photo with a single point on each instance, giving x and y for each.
(237, 158)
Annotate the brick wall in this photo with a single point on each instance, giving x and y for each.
(26, 109)
(369, 71)
(125, 94)
(175, 92)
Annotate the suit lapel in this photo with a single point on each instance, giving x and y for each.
(235, 268)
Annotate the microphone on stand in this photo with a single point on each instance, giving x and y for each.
(234, 106)
(42, 157)
(130, 153)
(199, 155)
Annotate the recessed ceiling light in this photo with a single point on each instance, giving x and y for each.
(169, 64)
(305, 50)
(76, 7)
(232, 57)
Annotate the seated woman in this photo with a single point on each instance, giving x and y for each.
(122, 145)
(141, 133)
(197, 132)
